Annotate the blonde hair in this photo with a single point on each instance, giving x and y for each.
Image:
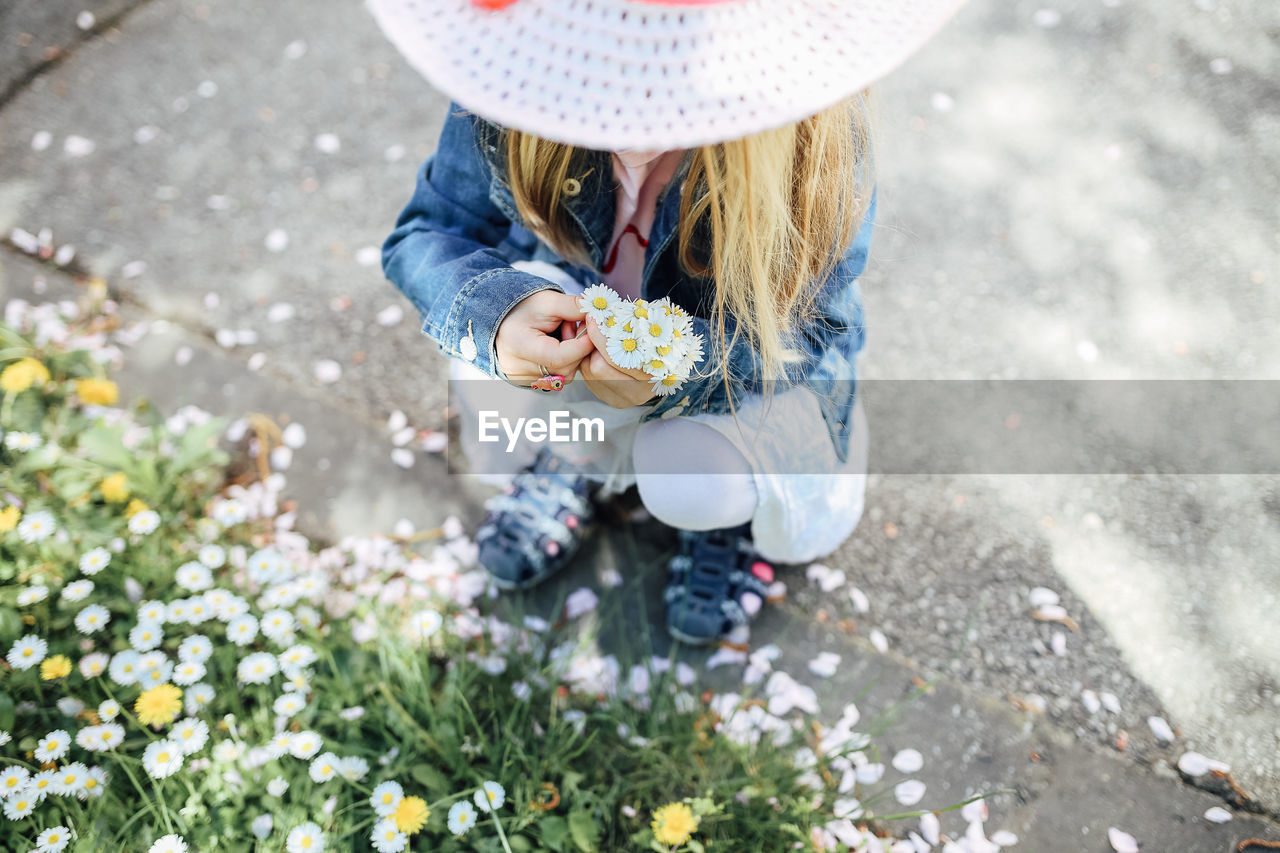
(780, 208)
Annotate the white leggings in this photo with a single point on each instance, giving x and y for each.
(716, 487)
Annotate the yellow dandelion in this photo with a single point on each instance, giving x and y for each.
(135, 506)
(9, 518)
(58, 666)
(22, 374)
(115, 489)
(411, 815)
(673, 824)
(159, 705)
(99, 392)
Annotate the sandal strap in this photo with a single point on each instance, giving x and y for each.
(707, 583)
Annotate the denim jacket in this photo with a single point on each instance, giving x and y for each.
(454, 243)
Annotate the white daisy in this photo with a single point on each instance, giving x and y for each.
(625, 349)
(169, 844)
(242, 630)
(32, 595)
(94, 664)
(267, 566)
(196, 648)
(124, 668)
(22, 441)
(305, 839)
(386, 838)
(289, 704)
(146, 635)
(490, 797)
(20, 805)
(655, 331)
(257, 668)
(5, 737)
(53, 840)
(227, 750)
(152, 611)
(324, 767)
(27, 652)
(228, 512)
(70, 706)
(92, 619)
(462, 816)
(41, 784)
(600, 301)
(92, 562)
(77, 590)
(353, 768)
(70, 779)
(305, 744)
(36, 527)
(108, 710)
(100, 738)
(298, 656)
(212, 556)
(154, 670)
(355, 712)
(262, 825)
(277, 624)
(188, 672)
(658, 366)
(232, 606)
(386, 797)
(198, 610)
(277, 786)
(197, 696)
(95, 784)
(162, 758)
(176, 614)
(664, 386)
(191, 734)
(53, 746)
(144, 522)
(193, 576)
(13, 779)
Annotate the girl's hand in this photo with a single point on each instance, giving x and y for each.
(617, 386)
(530, 335)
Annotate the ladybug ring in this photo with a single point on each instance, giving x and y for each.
(548, 382)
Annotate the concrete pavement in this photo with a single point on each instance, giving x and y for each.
(1086, 191)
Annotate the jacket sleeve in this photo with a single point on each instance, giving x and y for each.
(837, 324)
(442, 253)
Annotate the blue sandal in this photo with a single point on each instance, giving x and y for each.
(534, 529)
(709, 583)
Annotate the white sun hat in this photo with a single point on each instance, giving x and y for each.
(654, 74)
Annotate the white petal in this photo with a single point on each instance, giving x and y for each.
(1004, 838)
(726, 655)
(41, 140)
(1122, 842)
(294, 435)
(1058, 643)
(879, 640)
(328, 143)
(908, 761)
(435, 442)
(1041, 596)
(1161, 729)
(280, 312)
(974, 812)
(930, 827)
(327, 371)
(1051, 611)
(397, 421)
(1217, 814)
(861, 604)
(277, 240)
(368, 256)
(77, 146)
(909, 792)
(826, 664)
(404, 436)
(1110, 702)
(390, 316)
(402, 456)
(1195, 764)
(1091, 701)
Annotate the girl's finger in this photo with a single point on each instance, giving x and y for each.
(550, 352)
(560, 305)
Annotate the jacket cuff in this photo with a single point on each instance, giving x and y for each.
(471, 329)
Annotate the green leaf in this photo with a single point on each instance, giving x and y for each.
(430, 778)
(554, 832)
(10, 625)
(104, 446)
(6, 712)
(520, 844)
(585, 832)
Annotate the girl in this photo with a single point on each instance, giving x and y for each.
(710, 152)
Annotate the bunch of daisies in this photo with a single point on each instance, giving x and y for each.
(654, 336)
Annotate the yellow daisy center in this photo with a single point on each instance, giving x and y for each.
(664, 350)
(611, 322)
(629, 345)
(656, 364)
(600, 302)
(669, 380)
(641, 312)
(655, 330)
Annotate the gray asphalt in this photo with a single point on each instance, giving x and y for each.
(1091, 194)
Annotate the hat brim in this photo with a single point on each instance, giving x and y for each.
(612, 74)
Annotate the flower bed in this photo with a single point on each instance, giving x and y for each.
(185, 671)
